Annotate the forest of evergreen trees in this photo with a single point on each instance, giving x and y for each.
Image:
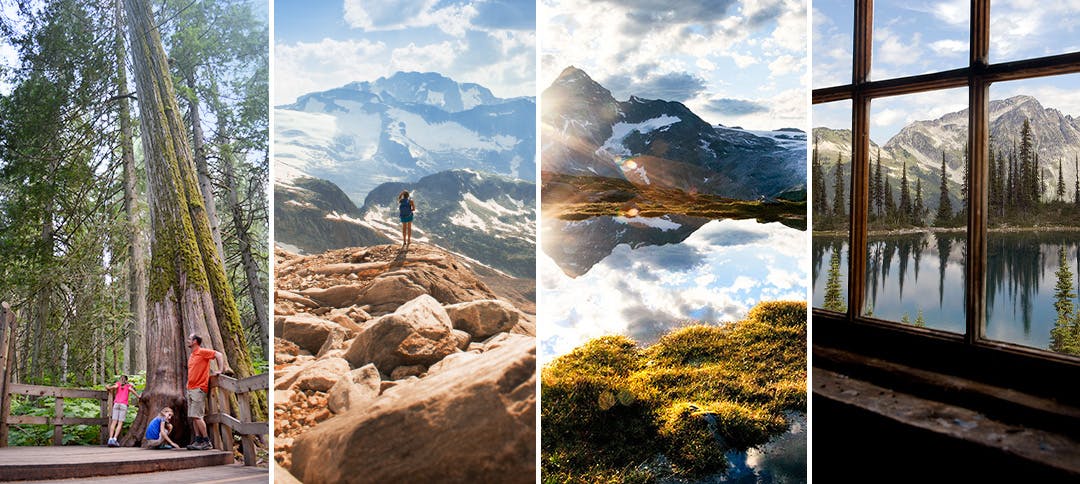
(1017, 195)
(101, 205)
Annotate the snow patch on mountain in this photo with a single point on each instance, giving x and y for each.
(619, 132)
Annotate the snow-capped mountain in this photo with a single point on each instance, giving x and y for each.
(312, 216)
(1056, 136)
(489, 218)
(401, 128)
(586, 131)
(482, 217)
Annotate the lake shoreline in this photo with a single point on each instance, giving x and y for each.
(939, 230)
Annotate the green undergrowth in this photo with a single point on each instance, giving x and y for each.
(615, 412)
(40, 435)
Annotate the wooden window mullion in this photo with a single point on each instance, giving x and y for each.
(860, 156)
(979, 171)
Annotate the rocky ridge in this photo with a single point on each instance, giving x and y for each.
(586, 131)
(400, 365)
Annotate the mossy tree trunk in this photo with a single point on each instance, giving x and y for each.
(136, 355)
(187, 292)
(198, 140)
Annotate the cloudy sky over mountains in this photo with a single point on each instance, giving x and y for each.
(488, 42)
(732, 62)
(912, 38)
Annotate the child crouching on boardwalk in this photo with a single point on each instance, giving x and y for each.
(157, 431)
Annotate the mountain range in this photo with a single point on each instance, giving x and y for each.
(1056, 136)
(585, 131)
(486, 218)
(401, 128)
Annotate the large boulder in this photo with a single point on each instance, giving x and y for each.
(418, 333)
(390, 291)
(308, 332)
(321, 375)
(483, 318)
(469, 423)
(341, 296)
(354, 390)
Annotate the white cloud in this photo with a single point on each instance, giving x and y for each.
(786, 64)
(888, 117)
(742, 61)
(949, 47)
(307, 67)
(893, 49)
(953, 12)
(609, 40)
(432, 57)
(376, 15)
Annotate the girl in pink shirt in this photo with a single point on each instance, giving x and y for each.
(123, 391)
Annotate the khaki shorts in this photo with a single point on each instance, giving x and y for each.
(119, 411)
(196, 406)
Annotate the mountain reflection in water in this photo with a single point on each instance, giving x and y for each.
(923, 274)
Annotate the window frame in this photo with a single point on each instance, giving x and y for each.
(977, 78)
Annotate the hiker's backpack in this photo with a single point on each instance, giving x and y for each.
(405, 207)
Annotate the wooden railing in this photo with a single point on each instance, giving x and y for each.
(222, 390)
(9, 388)
(222, 424)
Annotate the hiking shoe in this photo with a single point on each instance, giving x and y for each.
(165, 446)
(204, 445)
(113, 443)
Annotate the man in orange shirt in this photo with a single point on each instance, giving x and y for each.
(198, 386)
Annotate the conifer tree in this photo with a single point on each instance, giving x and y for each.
(944, 213)
(879, 195)
(905, 196)
(919, 209)
(839, 203)
(1061, 183)
(834, 299)
(890, 202)
(817, 175)
(1063, 337)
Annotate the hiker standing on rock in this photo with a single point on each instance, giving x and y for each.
(405, 211)
(198, 386)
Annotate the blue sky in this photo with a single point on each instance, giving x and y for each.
(735, 62)
(321, 45)
(913, 38)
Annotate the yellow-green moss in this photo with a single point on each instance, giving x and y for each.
(610, 409)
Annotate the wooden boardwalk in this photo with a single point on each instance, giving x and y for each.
(228, 474)
(67, 462)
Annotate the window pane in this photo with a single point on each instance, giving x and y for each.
(912, 38)
(1033, 252)
(1021, 30)
(833, 23)
(915, 275)
(831, 148)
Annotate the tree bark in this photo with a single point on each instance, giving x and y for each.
(136, 360)
(188, 292)
(198, 141)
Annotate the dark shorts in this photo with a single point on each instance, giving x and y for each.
(406, 219)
